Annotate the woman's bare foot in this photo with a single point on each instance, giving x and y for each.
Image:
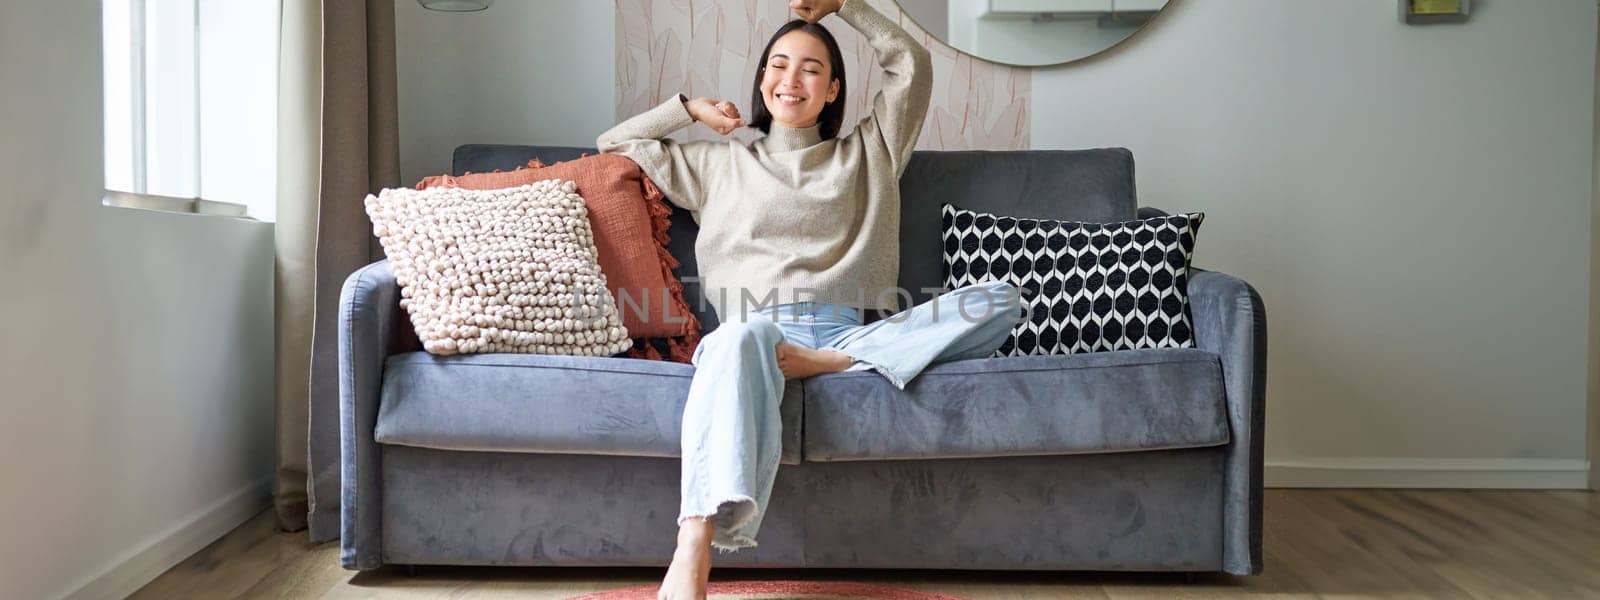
(690, 571)
(800, 362)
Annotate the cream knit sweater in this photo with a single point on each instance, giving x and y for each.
(790, 217)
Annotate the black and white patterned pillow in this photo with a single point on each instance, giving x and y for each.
(1087, 287)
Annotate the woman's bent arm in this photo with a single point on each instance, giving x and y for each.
(902, 101)
(675, 167)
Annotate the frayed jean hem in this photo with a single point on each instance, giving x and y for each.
(862, 364)
(729, 516)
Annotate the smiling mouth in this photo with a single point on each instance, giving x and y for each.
(788, 99)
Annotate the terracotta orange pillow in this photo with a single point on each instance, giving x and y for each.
(630, 218)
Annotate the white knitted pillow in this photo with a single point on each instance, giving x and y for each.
(502, 270)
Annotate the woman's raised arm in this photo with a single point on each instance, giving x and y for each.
(902, 101)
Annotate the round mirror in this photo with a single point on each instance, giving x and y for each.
(1032, 33)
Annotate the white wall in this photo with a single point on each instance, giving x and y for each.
(1594, 300)
(1411, 201)
(523, 72)
(136, 363)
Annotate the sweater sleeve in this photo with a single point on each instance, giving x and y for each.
(678, 168)
(902, 101)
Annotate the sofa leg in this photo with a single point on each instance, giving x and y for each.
(1189, 577)
(411, 570)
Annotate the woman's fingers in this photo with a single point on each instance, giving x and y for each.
(727, 118)
(721, 116)
(725, 124)
(814, 10)
(804, 9)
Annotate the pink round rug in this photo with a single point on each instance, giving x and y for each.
(774, 590)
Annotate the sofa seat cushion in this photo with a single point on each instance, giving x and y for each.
(546, 404)
(1117, 401)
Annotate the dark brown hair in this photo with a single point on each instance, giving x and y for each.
(832, 115)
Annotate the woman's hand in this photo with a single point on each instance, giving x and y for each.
(814, 10)
(720, 115)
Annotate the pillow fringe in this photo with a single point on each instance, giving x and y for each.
(680, 348)
(660, 221)
(642, 348)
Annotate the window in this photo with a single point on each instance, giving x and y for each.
(191, 105)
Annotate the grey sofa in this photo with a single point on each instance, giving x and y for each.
(1147, 460)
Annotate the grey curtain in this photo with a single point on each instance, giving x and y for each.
(358, 153)
(299, 136)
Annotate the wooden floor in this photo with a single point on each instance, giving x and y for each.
(1334, 543)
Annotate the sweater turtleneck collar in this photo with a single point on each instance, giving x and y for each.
(782, 138)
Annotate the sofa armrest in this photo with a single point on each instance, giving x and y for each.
(369, 315)
(1229, 319)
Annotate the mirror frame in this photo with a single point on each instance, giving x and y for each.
(1107, 50)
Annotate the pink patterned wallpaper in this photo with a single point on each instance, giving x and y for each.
(711, 48)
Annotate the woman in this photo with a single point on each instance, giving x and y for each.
(799, 213)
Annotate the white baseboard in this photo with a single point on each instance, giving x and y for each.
(141, 565)
(1485, 473)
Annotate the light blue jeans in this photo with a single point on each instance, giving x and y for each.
(731, 428)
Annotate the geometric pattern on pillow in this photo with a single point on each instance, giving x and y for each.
(501, 270)
(1088, 287)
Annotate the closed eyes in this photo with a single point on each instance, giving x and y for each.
(803, 59)
(811, 71)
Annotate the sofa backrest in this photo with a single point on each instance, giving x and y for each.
(1085, 185)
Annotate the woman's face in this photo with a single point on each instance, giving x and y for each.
(798, 81)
